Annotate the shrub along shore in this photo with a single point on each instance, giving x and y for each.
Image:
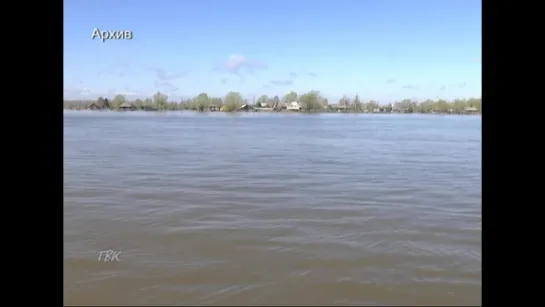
(308, 102)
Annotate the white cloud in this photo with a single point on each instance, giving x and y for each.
(236, 63)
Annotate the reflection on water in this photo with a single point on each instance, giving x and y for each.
(272, 209)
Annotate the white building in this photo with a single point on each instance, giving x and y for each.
(294, 106)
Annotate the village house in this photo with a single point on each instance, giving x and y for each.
(337, 107)
(294, 106)
(126, 107)
(100, 104)
(96, 106)
(471, 110)
(279, 106)
(246, 107)
(341, 108)
(264, 106)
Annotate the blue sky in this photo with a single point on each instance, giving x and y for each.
(379, 49)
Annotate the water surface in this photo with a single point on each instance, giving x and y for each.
(272, 209)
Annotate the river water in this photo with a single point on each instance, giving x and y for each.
(271, 209)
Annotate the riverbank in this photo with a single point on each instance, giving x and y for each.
(279, 111)
(307, 103)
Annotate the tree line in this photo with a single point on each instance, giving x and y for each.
(309, 102)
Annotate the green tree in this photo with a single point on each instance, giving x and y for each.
(426, 106)
(148, 103)
(475, 103)
(276, 100)
(100, 102)
(441, 106)
(289, 97)
(217, 101)
(311, 101)
(186, 104)
(232, 101)
(139, 104)
(118, 100)
(324, 102)
(389, 108)
(263, 100)
(201, 102)
(160, 100)
(372, 105)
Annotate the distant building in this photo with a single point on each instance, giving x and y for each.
(96, 106)
(99, 105)
(126, 107)
(338, 107)
(294, 106)
(471, 110)
(245, 107)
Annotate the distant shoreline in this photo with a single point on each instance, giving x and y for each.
(311, 102)
(270, 112)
